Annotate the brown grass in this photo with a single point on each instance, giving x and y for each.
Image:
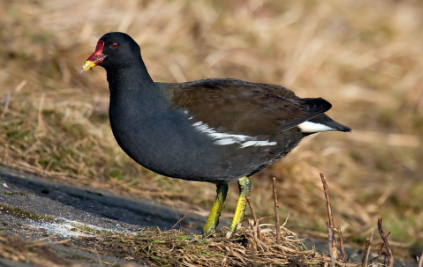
(32, 252)
(365, 57)
(173, 248)
(240, 249)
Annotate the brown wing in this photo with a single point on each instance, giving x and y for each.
(236, 106)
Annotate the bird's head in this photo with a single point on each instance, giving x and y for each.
(114, 49)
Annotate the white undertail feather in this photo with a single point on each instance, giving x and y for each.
(313, 127)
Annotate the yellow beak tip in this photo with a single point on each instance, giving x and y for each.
(88, 65)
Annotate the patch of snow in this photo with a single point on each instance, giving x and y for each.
(67, 228)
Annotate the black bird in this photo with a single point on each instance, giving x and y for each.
(213, 130)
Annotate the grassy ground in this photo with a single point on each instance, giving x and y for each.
(365, 57)
(169, 248)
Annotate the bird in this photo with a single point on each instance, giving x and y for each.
(216, 130)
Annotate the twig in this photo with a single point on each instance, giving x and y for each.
(94, 251)
(20, 86)
(421, 260)
(326, 189)
(181, 219)
(286, 220)
(278, 227)
(341, 244)
(254, 215)
(253, 254)
(99, 260)
(41, 244)
(40, 126)
(177, 216)
(379, 251)
(9, 97)
(367, 250)
(330, 243)
(385, 240)
(6, 105)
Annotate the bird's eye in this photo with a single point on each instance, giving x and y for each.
(115, 45)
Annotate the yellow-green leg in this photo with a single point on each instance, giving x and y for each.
(213, 220)
(244, 189)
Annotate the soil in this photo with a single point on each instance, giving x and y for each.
(34, 208)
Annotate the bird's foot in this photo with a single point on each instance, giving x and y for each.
(213, 220)
(244, 185)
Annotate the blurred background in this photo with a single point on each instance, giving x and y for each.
(365, 57)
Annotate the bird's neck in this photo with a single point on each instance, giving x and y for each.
(131, 88)
(134, 76)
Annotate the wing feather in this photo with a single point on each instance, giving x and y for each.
(239, 107)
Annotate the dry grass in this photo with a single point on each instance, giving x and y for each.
(365, 57)
(31, 252)
(172, 248)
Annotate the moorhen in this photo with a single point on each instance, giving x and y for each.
(213, 130)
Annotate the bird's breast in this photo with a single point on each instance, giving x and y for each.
(172, 143)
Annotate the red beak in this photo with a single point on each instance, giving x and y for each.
(96, 58)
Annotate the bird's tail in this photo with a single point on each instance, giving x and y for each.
(326, 120)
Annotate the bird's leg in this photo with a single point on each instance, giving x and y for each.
(244, 189)
(213, 220)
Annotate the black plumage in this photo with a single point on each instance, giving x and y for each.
(213, 130)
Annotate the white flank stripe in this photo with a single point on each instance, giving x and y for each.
(230, 139)
(312, 127)
(258, 143)
(226, 141)
(216, 135)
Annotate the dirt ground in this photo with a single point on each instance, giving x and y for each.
(65, 217)
(71, 209)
